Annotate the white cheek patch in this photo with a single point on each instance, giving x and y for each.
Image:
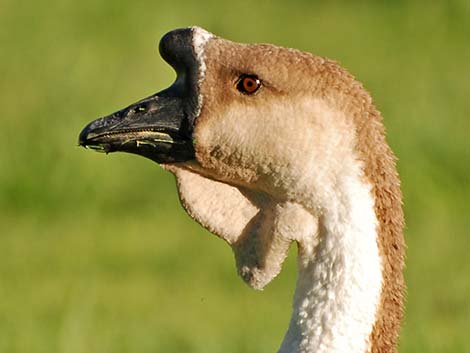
(200, 38)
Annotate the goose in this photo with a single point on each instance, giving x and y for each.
(272, 146)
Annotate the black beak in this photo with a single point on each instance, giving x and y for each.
(155, 127)
(158, 127)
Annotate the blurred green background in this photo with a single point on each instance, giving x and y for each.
(96, 255)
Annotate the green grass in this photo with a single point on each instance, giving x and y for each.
(96, 254)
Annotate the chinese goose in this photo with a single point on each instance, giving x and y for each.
(272, 146)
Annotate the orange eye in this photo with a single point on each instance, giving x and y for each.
(248, 84)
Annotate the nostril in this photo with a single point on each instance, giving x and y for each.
(141, 108)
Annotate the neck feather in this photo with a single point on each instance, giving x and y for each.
(340, 278)
(380, 170)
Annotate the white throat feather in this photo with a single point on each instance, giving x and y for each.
(340, 278)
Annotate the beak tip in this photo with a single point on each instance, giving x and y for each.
(83, 137)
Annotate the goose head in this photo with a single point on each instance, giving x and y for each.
(271, 146)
